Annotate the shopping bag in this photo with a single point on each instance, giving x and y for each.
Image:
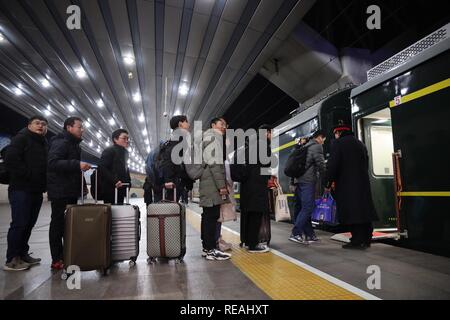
(325, 210)
(282, 207)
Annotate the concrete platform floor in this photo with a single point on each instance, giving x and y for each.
(405, 274)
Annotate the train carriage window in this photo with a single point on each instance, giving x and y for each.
(382, 149)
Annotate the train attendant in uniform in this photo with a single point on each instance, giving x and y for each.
(348, 167)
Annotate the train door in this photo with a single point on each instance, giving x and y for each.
(375, 130)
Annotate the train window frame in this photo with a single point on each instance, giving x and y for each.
(374, 158)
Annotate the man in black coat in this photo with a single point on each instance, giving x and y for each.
(26, 161)
(113, 168)
(254, 201)
(175, 175)
(64, 181)
(348, 167)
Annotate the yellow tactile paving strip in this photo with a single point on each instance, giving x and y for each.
(278, 278)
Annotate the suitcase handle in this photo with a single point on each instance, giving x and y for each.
(174, 194)
(128, 193)
(82, 184)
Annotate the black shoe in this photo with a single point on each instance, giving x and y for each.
(361, 246)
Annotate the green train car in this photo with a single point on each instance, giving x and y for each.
(323, 115)
(402, 115)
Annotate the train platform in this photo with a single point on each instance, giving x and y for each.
(290, 271)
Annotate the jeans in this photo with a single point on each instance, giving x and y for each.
(56, 232)
(209, 225)
(25, 207)
(298, 203)
(306, 192)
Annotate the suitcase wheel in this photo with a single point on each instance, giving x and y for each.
(151, 260)
(64, 275)
(132, 262)
(179, 260)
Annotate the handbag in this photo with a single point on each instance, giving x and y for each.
(325, 210)
(282, 212)
(228, 210)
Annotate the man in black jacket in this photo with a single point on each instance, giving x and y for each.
(64, 181)
(113, 168)
(175, 175)
(26, 161)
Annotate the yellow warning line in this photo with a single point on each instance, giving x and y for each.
(424, 194)
(422, 92)
(278, 278)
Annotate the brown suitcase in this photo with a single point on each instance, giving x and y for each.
(87, 236)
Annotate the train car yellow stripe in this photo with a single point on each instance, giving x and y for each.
(424, 194)
(422, 92)
(279, 278)
(284, 146)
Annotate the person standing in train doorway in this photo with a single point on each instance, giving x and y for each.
(26, 162)
(64, 181)
(303, 232)
(348, 167)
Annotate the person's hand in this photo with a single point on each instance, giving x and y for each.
(84, 166)
(223, 191)
(119, 184)
(169, 185)
(327, 190)
(292, 188)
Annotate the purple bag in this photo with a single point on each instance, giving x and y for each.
(325, 210)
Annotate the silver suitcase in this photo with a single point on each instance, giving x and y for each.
(166, 230)
(125, 231)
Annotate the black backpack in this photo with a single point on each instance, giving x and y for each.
(296, 163)
(4, 173)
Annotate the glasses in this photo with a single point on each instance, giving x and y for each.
(124, 138)
(42, 123)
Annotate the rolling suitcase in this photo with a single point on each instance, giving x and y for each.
(87, 236)
(166, 230)
(125, 230)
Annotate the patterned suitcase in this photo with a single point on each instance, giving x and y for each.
(125, 231)
(166, 230)
(87, 236)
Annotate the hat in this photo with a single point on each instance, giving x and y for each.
(341, 126)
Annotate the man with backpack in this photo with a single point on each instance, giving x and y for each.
(154, 173)
(306, 162)
(175, 175)
(26, 163)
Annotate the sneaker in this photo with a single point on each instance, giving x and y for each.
(215, 254)
(258, 249)
(298, 239)
(312, 239)
(30, 260)
(57, 265)
(16, 264)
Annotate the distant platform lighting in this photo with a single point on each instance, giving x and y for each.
(2, 37)
(112, 122)
(183, 89)
(144, 132)
(18, 91)
(100, 103)
(128, 60)
(137, 97)
(141, 118)
(45, 83)
(81, 73)
(98, 135)
(71, 108)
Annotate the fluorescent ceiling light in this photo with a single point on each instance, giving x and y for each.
(87, 124)
(137, 97)
(81, 73)
(91, 144)
(45, 83)
(128, 60)
(18, 91)
(144, 132)
(147, 141)
(71, 108)
(148, 149)
(99, 135)
(2, 38)
(100, 103)
(141, 118)
(47, 113)
(112, 122)
(183, 89)
(177, 113)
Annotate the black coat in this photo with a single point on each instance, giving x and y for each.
(113, 167)
(64, 173)
(172, 172)
(254, 191)
(26, 160)
(348, 167)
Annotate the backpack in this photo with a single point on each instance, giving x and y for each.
(296, 162)
(238, 172)
(194, 170)
(4, 173)
(153, 166)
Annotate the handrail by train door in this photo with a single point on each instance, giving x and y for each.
(398, 188)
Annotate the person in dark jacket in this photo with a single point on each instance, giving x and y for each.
(64, 181)
(148, 196)
(348, 167)
(175, 175)
(113, 168)
(303, 232)
(26, 161)
(254, 201)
